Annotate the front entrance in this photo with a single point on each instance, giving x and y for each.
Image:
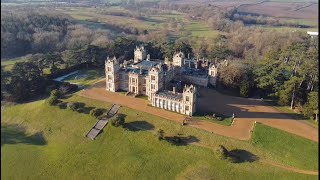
(133, 89)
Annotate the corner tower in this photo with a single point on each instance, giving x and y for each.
(139, 54)
(212, 74)
(189, 100)
(154, 81)
(178, 59)
(112, 68)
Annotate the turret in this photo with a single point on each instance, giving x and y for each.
(178, 59)
(189, 100)
(139, 54)
(212, 74)
(112, 68)
(154, 81)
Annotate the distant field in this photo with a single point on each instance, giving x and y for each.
(286, 29)
(8, 64)
(294, 10)
(153, 23)
(199, 29)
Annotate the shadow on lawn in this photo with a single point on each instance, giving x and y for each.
(16, 134)
(138, 126)
(212, 101)
(241, 156)
(181, 141)
(82, 108)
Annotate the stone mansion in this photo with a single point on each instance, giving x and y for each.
(153, 78)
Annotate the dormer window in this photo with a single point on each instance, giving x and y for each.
(187, 99)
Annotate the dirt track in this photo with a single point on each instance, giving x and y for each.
(246, 112)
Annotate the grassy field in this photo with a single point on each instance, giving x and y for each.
(199, 29)
(86, 77)
(226, 121)
(8, 64)
(293, 114)
(286, 146)
(40, 141)
(150, 23)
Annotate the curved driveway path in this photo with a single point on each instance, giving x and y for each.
(246, 111)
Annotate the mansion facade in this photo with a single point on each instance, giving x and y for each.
(153, 78)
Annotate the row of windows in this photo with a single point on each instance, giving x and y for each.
(163, 103)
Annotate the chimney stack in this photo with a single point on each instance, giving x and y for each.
(174, 90)
(148, 57)
(140, 70)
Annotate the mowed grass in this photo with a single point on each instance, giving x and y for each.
(86, 77)
(292, 113)
(199, 29)
(43, 142)
(226, 121)
(290, 149)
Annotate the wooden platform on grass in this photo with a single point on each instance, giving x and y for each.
(102, 122)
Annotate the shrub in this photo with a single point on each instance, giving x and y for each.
(67, 87)
(72, 106)
(55, 93)
(51, 87)
(96, 112)
(176, 139)
(75, 106)
(52, 100)
(244, 90)
(118, 120)
(222, 152)
(160, 134)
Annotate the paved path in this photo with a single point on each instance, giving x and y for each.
(246, 112)
(98, 127)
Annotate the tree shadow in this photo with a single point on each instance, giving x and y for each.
(138, 126)
(181, 141)
(213, 101)
(241, 156)
(85, 110)
(62, 105)
(16, 134)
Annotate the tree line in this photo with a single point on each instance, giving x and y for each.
(27, 30)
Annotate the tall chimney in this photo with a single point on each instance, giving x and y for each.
(188, 55)
(174, 90)
(140, 70)
(148, 57)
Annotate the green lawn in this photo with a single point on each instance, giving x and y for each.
(43, 142)
(293, 114)
(226, 121)
(199, 29)
(289, 149)
(86, 77)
